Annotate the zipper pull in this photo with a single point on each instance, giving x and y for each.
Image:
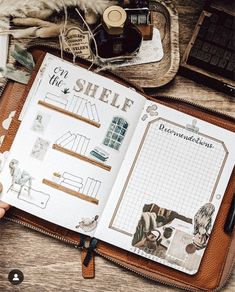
(88, 259)
(82, 241)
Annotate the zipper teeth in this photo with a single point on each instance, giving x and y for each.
(186, 288)
(137, 86)
(112, 260)
(228, 276)
(196, 105)
(43, 231)
(3, 86)
(144, 275)
(101, 254)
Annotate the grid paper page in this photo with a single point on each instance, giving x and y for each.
(172, 172)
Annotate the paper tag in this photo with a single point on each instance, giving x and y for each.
(77, 42)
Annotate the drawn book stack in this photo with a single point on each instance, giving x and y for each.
(100, 159)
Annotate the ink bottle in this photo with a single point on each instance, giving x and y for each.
(137, 11)
(116, 39)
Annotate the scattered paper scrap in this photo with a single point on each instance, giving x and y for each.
(12, 73)
(150, 51)
(22, 56)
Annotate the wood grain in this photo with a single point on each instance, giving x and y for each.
(49, 265)
(156, 74)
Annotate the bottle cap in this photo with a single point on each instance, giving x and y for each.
(114, 18)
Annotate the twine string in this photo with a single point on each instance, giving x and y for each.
(96, 58)
(62, 40)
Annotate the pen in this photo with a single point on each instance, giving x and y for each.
(230, 221)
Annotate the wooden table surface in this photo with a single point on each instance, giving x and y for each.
(49, 265)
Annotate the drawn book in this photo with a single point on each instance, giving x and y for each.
(100, 159)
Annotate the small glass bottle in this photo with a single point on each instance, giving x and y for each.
(116, 38)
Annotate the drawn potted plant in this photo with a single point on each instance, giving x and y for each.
(65, 93)
(56, 176)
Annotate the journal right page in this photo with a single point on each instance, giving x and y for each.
(169, 189)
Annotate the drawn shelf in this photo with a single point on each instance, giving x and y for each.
(82, 157)
(68, 113)
(70, 191)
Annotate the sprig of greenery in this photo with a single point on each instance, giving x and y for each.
(65, 90)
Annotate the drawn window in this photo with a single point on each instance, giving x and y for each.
(116, 132)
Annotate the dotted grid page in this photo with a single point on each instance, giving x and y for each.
(172, 172)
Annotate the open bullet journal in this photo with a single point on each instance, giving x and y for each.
(100, 159)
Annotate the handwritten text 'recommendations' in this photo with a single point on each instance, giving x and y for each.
(190, 138)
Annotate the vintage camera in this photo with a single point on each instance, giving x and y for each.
(138, 13)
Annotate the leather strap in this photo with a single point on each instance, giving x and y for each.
(88, 272)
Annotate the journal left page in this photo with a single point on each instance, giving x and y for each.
(75, 129)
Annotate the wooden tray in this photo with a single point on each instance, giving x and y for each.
(157, 74)
(148, 76)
